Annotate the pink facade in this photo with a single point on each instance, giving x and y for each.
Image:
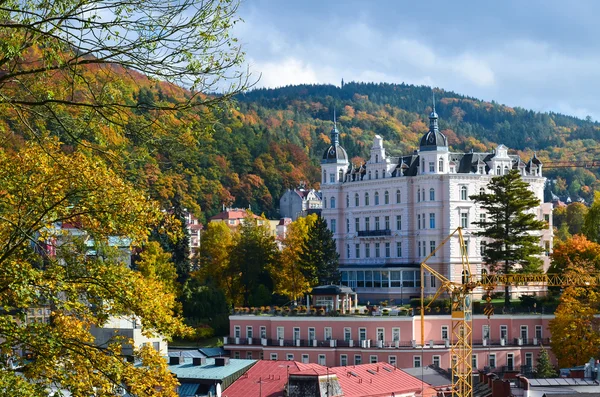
(504, 341)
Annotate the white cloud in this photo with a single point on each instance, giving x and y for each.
(285, 72)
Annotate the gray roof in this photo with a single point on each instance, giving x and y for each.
(186, 370)
(331, 290)
(429, 375)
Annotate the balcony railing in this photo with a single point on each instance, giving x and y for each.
(377, 344)
(374, 233)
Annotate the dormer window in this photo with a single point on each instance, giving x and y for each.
(481, 170)
(498, 170)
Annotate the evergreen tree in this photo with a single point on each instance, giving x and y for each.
(510, 227)
(544, 368)
(591, 222)
(319, 258)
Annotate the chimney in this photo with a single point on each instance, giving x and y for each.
(221, 361)
(498, 388)
(174, 360)
(198, 361)
(491, 377)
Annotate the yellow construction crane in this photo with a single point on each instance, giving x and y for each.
(461, 295)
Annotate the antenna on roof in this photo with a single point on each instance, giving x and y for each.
(433, 98)
(334, 121)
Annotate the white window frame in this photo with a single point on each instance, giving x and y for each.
(539, 330)
(492, 357)
(312, 335)
(504, 328)
(529, 357)
(510, 357)
(373, 359)
(526, 329)
(263, 332)
(249, 355)
(395, 334)
(343, 360)
(236, 355)
(296, 332)
(249, 332)
(362, 331)
(445, 330)
(237, 331)
(393, 360)
(273, 356)
(280, 333)
(380, 333)
(305, 359)
(322, 360)
(357, 359)
(437, 358)
(327, 333)
(417, 362)
(347, 333)
(485, 328)
(289, 357)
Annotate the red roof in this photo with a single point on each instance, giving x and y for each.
(269, 378)
(233, 214)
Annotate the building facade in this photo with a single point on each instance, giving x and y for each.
(388, 214)
(299, 202)
(503, 342)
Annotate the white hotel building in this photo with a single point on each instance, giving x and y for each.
(388, 214)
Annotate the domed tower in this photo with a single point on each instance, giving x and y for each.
(433, 149)
(335, 159)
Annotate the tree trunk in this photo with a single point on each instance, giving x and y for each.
(506, 286)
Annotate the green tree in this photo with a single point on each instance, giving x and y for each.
(254, 252)
(591, 223)
(155, 263)
(509, 226)
(319, 258)
(544, 368)
(576, 217)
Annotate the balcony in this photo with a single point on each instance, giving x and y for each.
(374, 233)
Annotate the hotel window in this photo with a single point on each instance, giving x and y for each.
(280, 333)
(398, 197)
(324, 202)
(249, 332)
(395, 334)
(498, 170)
(463, 193)
(348, 250)
(356, 200)
(399, 249)
(376, 174)
(435, 361)
(347, 225)
(492, 360)
(360, 278)
(445, 332)
(419, 248)
(376, 223)
(385, 279)
(392, 360)
(343, 360)
(263, 332)
(322, 360)
(324, 176)
(482, 247)
(418, 221)
(418, 195)
(376, 198)
(236, 355)
(423, 166)
(311, 334)
(485, 329)
(357, 359)
(504, 332)
(332, 178)
(357, 251)
(510, 361)
(441, 165)
(289, 356)
(369, 175)
(249, 355)
(367, 250)
(356, 224)
(398, 222)
(432, 247)
(347, 333)
(327, 333)
(431, 194)
(237, 331)
(474, 361)
(538, 332)
(396, 278)
(387, 250)
(529, 360)
(431, 166)
(347, 201)
(422, 194)
(273, 356)
(305, 359)
(464, 220)
(362, 334)
(377, 251)
(524, 333)
(432, 220)
(367, 223)
(482, 218)
(386, 197)
(373, 359)
(387, 222)
(332, 201)
(417, 361)
(333, 226)
(366, 198)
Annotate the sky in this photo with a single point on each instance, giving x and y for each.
(540, 55)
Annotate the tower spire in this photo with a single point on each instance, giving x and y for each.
(433, 117)
(433, 96)
(335, 135)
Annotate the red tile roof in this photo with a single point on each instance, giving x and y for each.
(233, 214)
(269, 378)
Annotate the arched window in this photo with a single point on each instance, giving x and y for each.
(418, 195)
(377, 158)
(482, 190)
(324, 202)
(347, 201)
(422, 194)
(432, 194)
(366, 198)
(423, 166)
(506, 169)
(386, 197)
(341, 176)
(369, 175)
(498, 170)
(376, 198)
(463, 192)
(348, 227)
(324, 176)
(376, 174)
(332, 202)
(398, 196)
(356, 200)
(441, 165)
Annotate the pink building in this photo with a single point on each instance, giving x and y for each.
(504, 342)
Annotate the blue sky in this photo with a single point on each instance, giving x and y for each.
(542, 55)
